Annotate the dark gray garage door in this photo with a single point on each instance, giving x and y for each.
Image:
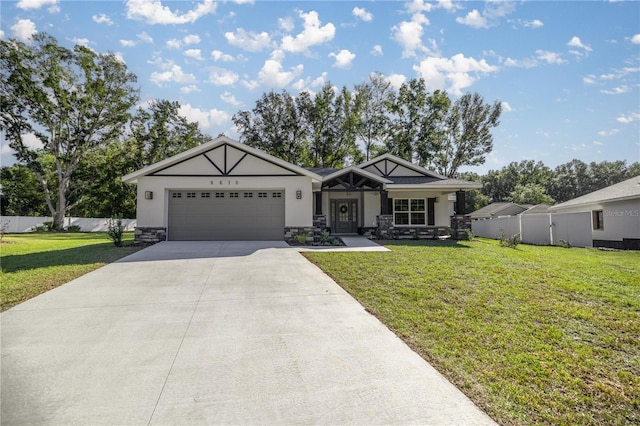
(226, 215)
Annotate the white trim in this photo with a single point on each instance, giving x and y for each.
(357, 169)
(402, 162)
(220, 140)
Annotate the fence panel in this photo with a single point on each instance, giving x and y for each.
(535, 229)
(20, 224)
(575, 228)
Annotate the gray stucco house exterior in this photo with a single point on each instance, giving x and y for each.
(225, 190)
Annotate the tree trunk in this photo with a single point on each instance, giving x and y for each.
(58, 216)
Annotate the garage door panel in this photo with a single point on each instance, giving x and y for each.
(221, 216)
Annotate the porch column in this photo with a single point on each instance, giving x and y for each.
(318, 196)
(384, 202)
(460, 202)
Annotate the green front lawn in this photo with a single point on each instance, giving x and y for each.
(35, 263)
(543, 335)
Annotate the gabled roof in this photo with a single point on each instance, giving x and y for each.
(538, 208)
(625, 190)
(405, 175)
(161, 167)
(501, 208)
(357, 170)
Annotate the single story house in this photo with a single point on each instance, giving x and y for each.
(225, 190)
(615, 214)
(497, 209)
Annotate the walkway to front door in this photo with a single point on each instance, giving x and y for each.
(344, 216)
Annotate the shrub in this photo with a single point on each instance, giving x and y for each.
(48, 226)
(468, 235)
(116, 230)
(565, 244)
(511, 242)
(74, 228)
(301, 238)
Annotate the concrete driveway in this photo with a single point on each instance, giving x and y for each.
(214, 333)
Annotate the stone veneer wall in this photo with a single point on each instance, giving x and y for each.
(461, 224)
(150, 234)
(386, 230)
(312, 233)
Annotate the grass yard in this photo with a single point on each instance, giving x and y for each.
(35, 263)
(533, 335)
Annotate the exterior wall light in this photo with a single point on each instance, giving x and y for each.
(148, 195)
(298, 195)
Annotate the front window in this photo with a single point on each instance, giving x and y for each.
(409, 211)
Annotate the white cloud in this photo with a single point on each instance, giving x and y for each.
(589, 79)
(153, 12)
(585, 49)
(222, 77)
(626, 119)
(617, 90)
(1, 35)
(187, 40)
(248, 40)
(409, 35)
(635, 39)
(191, 39)
(611, 132)
(506, 107)
(230, 99)
(536, 23)
(194, 54)
(458, 72)
(377, 50)
(576, 42)
(343, 58)
(417, 6)
(219, 56)
(474, 19)
(490, 16)
(175, 74)
(396, 80)
(312, 34)
(80, 41)
(521, 63)
(550, 57)
(143, 36)
(597, 143)
(272, 74)
(361, 13)
(206, 119)
(102, 19)
(286, 23)
(189, 89)
(24, 29)
(37, 4)
(250, 85)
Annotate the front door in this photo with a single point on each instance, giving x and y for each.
(344, 216)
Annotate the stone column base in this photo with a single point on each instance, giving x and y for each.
(150, 234)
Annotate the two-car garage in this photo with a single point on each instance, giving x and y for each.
(249, 215)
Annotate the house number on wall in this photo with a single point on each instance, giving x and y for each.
(213, 182)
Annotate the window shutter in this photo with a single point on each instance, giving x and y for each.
(431, 211)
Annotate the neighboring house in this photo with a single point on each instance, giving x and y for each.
(537, 209)
(225, 190)
(615, 214)
(498, 209)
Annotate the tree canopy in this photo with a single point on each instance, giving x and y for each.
(72, 101)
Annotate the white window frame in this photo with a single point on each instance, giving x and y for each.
(409, 212)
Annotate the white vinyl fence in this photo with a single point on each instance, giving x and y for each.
(19, 224)
(540, 229)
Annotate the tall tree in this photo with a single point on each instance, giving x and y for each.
(331, 120)
(73, 101)
(467, 139)
(373, 98)
(21, 192)
(159, 132)
(530, 193)
(275, 125)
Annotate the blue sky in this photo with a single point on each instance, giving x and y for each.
(567, 72)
